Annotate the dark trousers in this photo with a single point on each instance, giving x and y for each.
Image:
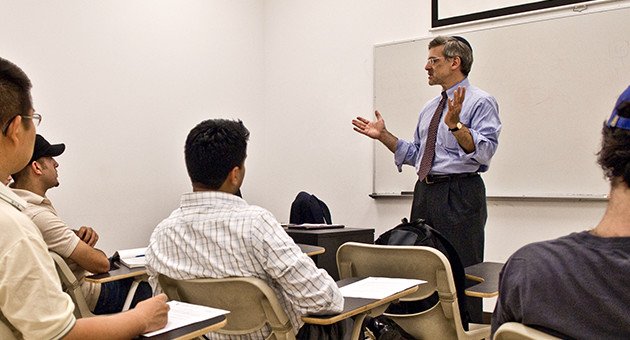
(456, 208)
(114, 293)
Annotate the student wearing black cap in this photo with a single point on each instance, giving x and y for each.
(76, 246)
(456, 136)
(576, 286)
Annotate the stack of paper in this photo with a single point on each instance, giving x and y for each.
(182, 314)
(378, 287)
(132, 258)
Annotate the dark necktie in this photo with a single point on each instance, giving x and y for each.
(429, 148)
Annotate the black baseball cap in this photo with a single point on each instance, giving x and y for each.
(45, 149)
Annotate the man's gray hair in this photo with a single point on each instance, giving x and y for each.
(454, 47)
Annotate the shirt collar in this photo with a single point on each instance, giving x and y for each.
(463, 83)
(10, 197)
(31, 197)
(205, 197)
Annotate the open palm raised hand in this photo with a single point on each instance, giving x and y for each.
(372, 129)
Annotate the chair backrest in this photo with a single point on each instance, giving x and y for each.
(441, 321)
(71, 286)
(518, 331)
(251, 302)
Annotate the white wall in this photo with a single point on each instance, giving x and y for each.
(122, 83)
(319, 75)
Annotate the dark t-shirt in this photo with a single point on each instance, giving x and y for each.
(576, 286)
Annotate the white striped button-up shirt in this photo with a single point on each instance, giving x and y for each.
(214, 235)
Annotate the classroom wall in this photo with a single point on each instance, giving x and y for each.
(319, 75)
(122, 83)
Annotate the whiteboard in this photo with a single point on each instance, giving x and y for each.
(556, 81)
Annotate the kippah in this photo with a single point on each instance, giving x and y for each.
(464, 41)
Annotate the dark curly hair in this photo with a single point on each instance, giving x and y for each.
(614, 156)
(213, 148)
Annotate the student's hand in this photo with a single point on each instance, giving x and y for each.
(372, 129)
(87, 235)
(153, 312)
(455, 107)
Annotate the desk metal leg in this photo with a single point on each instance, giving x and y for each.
(356, 328)
(358, 320)
(132, 292)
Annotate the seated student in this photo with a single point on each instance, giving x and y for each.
(215, 234)
(32, 304)
(77, 247)
(576, 286)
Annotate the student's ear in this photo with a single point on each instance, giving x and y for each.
(36, 167)
(234, 175)
(13, 130)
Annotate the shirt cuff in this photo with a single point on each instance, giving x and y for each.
(399, 155)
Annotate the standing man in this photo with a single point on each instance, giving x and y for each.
(456, 136)
(77, 247)
(216, 234)
(32, 304)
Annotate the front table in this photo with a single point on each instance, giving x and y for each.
(331, 240)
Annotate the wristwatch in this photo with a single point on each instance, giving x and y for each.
(457, 127)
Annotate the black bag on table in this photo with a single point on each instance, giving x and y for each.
(307, 208)
(418, 233)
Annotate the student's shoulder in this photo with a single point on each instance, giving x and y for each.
(548, 254)
(16, 225)
(257, 212)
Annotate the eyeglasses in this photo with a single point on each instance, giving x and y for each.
(36, 118)
(433, 60)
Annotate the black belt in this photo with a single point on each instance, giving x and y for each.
(432, 179)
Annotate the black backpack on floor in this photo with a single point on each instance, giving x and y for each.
(418, 233)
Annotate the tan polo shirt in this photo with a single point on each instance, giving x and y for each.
(32, 303)
(59, 238)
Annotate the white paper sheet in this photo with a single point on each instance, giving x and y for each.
(182, 314)
(378, 287)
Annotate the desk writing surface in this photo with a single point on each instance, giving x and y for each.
(120, 272)
(193, 330)
(487, 274)
(355, 306)
(311, 250)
